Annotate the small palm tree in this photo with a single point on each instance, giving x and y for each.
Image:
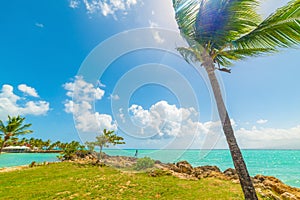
(108, 137)
(219, 32)
(13, 128)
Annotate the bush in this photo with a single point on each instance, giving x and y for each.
(144, 163)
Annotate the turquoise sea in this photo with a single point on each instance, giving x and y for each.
(18, 159)
(283, 164)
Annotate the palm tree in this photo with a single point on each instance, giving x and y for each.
(219, 32)
(13, 128)
(108, 137)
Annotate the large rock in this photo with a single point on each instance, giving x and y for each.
(272, 184)
(184, 167)
(207, 171)
(231, 173)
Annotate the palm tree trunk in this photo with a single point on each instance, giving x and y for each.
(2, 145)
(239, 164)
(100, 154)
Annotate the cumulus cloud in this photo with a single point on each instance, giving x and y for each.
(12, 104)
(165, 120)
(83, 95)
(262, 121)
(108, 7)
(74, 4)
(28, 90)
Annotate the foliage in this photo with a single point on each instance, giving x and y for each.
(13, 128)
(67, 180)
(144, 163)
(108, 137)
(232, 30)
(70, 150)
(90, 146)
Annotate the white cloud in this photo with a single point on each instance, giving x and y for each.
(109, 7)
(157, 37)
(28, 90)
(74, 4)
(262, 121)
(115, 97)
(122, 115)
(164, 120)
(269, 137)
(152, 24)
(39, 25)
(84, 94)
(12, 104)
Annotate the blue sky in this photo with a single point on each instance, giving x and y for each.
(53, 73)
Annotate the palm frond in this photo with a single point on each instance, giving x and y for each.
(215, 21)
(226, 57)
(188, 54)
(221, 21)
(186, 14)
(281, 29)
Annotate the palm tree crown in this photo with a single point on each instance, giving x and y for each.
(13, 128)
(231, 30)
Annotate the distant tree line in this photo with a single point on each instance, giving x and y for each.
(10, 132)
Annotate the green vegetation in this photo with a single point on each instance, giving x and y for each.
(144, 163)
(13, 128)
(73, 181)
(72, 149)
(221, 32)
(108, 137)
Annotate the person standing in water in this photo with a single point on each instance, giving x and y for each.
(136, 153)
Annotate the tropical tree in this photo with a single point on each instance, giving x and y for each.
(70, 149)
(108, 137)
(90, 146)
(13, 128)
(55, 145)
(219, 32)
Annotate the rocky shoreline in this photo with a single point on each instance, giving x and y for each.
(267, 186)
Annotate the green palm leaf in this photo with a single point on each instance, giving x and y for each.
(226, 57)
(215, 22)
(281, 29)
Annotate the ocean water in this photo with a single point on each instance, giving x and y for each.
(283, 164)
(18, 159)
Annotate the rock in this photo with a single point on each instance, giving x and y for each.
(211, 168)
(157, 162)
(231, 174)
(288, 196)
(271, 183)
(184, 167)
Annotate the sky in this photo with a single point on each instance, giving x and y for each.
(75, 67)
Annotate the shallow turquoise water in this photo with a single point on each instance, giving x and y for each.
(283, 164)
(18, 159)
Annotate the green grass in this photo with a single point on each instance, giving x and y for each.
(74, 181)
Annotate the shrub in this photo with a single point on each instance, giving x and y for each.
(144, 163)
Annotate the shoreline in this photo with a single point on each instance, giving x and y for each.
(39, 151)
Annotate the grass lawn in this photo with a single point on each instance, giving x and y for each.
(74, 181)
